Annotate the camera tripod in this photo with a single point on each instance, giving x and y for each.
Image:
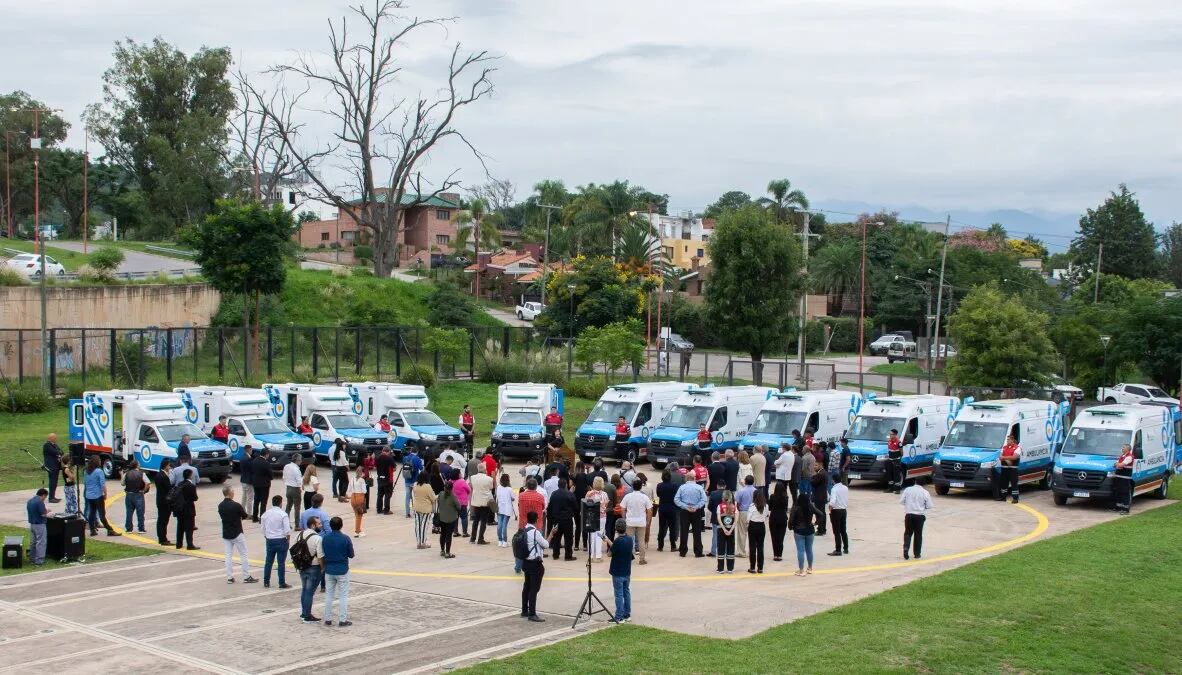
(587, 609)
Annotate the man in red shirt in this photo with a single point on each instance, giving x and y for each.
(623, 436)
(221, 432)
(468, 426)
(894, 465)
(531, 499)
(704, 442)
(553, 420)
(384, 424)
(1122, 482)
(305, 428)
(490, 464)
(701, 474)
(1007, 470)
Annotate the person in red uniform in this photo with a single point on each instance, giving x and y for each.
(221, 432)
(704, 442)
(894, 465)
(1122, 482)
(490, 464)
(384, 424)
(468, 426)
(1007, 470)
(305, 428)
(623, 435)
(553, 420)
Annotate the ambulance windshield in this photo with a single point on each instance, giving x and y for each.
(1103, 442)
(988, 435)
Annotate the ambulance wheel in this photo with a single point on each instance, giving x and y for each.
(1163, 489)
(219, 479)
(1110, 400)
(1045, 483)
(109, 469)
(941, 489)
(1060, 500)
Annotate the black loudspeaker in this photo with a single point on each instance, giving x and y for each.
(590, 515)
(65, 538)
(77, 453)
(13, 553)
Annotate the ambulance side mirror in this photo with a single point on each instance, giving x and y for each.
(941, 440)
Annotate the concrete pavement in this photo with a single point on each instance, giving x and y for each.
(135, 262)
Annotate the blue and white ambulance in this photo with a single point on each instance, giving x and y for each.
(333, 412)
(727, 413)
(413, 425)
(922, 421)
(521, 410)
(642, 405)
(827, 413)
(253, 419)
(1085, 465)
(969, 456)
(125, 424)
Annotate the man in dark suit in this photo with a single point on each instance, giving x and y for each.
(262, 483)
(717, 471)
(188, 511)
(731, 471)
(560, 513)
(51, 458)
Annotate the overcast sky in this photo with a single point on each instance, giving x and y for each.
(955, 104)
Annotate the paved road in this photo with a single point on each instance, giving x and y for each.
(135, 262)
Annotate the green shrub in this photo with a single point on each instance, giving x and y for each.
(9, 277)
(583, 387)
(546, 366)
(363, 253)
(27, 399)
(417, 375)
(106, 259)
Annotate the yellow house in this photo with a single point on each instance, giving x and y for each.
(684, 238)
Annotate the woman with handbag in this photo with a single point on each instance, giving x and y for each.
(358, 489)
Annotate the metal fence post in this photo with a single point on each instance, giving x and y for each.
(336, 362)
(52, 361)
(291, 350)
(315, 353)
(83, 359)
(377, 355)
(245, 355)
(141, 359)
(113, 355)
(168, 355)
(471, 356)
(570, 358)
(505, 342)
(435, 362)
(730, 371)
(221, 353)
(270, 350)
(20, 356)
(357, 351)
(397, 352)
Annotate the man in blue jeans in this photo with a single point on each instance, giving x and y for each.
(135, 485)
(311, 575)
(623, 550)
(337, 548)
(412, 464)
(276, 530)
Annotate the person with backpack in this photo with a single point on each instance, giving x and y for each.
(340, 470)
(307, 556)
(449, 512)
(163, 509)
(135, 485)
(412, 466)
(529, 546)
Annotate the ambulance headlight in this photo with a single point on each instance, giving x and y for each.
(1058, 471)
(687, 443)
(496, 434)
(987, 465)
(1110, 474)
(274, 446)
(535, 436)
(427, 437)
(936, 461)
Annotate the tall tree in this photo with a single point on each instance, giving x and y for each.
(383, 133)
(476, 229)
(783, 199)
(241, 248)
(164, 119)
(1130, 243)
(999, 341)
(599, 213)
(16, 128)
(729, 201)
(836, 270)
(1172, 254)
(754, 281)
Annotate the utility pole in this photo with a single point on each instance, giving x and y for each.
(1099, 258)
(8, 183)
(805, 235)
(85, 192)
(940, 298)
(35, 146)
(546, 249)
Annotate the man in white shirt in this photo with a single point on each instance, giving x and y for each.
(916, 503)
(638, 512)
(293, 482)
(310, 577)
(533, 567)
(276, 528)
(483, 487)
(839, 500)
(784, 462)
(457, 461)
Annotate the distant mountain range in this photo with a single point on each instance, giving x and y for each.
(1055, 229)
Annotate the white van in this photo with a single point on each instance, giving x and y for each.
(827, 413)
(642, 405)
(251, 418)
(521, 410)
(405, 407)
(1085, 464)
(922, 421)
(969, 456)
(333, 412)
(727, 413)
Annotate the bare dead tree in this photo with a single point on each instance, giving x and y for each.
(499, 194)
(261, 156)
(382, 134)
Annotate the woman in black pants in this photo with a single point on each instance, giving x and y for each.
(757, 515)
(778, 519)
(449, 513)
(163, 486)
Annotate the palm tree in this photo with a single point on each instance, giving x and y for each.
(639, 248)
(475, 227)
(836, 269)
(783, 199)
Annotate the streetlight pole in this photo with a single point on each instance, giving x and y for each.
(8, 182)
(85, 192)
(940, 295)
(926, 286)
(805, 235)
(571, 289)
(546, 250)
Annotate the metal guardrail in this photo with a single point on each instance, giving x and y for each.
(170, 251)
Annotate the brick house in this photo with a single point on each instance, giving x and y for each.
(429, 226)
(502, 274)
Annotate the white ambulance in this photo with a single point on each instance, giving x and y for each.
(922, 421)
(252, 420)
(827, 413)
(405, 408)
(642, 405)
(727, 413)
(333, 412)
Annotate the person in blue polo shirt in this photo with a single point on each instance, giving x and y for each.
(623, 550)
(338, 549)
(37, 513)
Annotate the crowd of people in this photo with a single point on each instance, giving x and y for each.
(562, 506)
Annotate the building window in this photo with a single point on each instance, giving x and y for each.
(348, 235)
(291, 197)
(701, 253)
(668, 252)
(442, 214)
(442, 239)
(323, 236)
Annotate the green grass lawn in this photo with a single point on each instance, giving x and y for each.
(1099, 600)
(904, 368)
(448, 399)
(98, 549)
(18, 470)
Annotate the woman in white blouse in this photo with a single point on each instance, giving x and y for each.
(757, 515)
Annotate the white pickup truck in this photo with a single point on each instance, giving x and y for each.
(528, 311)
(1133, 393)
